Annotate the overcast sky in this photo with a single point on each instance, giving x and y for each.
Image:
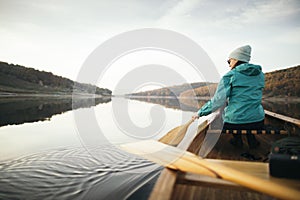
(58, 35)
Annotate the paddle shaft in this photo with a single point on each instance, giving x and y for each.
(246, 180)
(177, 159)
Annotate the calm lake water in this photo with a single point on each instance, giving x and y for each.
(53, 148)
(45, 152)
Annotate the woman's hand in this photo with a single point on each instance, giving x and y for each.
(195, 117)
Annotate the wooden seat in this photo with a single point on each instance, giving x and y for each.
(254, 132)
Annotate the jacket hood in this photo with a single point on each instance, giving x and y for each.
(249, 69)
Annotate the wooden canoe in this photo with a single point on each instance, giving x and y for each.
(174, 184)
(187, 162)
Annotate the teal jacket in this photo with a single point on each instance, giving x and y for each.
(242, 89)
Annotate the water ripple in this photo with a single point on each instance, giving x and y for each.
(72, 173)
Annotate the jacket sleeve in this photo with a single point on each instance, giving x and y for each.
(220, 96)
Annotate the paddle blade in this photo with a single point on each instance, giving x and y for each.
(175, 136)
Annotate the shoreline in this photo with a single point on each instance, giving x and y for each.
(84, 95)
(80, 95)
(279, 98)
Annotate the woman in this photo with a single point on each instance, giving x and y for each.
(242, 89)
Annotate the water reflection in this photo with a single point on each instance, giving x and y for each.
(281, 106)
(46, 160)
(184, 104)
(19, 110)
(284, 107)
(72, 172)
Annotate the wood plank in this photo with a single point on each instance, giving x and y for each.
(164, 186)
(177, 159)
(192, 192)
(257, 169)
(206, 181)
(283, 117)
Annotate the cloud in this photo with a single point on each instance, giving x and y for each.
(36, 27)
(182, 8)
(230, 15)
(271, 12)
(178, 13)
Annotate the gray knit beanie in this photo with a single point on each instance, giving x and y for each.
(242, 53)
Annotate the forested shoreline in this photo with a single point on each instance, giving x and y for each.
(283, 83)
(17, 79)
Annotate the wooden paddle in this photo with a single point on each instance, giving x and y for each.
(175, 136)
(178, 159)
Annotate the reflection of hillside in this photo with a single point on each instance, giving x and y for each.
(169, 102)
(291, 109)
(31, 109)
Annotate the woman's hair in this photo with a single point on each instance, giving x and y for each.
(239, 63)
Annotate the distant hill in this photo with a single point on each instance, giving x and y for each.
(280, 83)
(204, 91)
(18, 79)
(172, 90)
(283, 83)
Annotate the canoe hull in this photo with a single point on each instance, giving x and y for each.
(178, 185)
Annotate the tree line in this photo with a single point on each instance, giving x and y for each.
(14, 78)
(279, 83)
